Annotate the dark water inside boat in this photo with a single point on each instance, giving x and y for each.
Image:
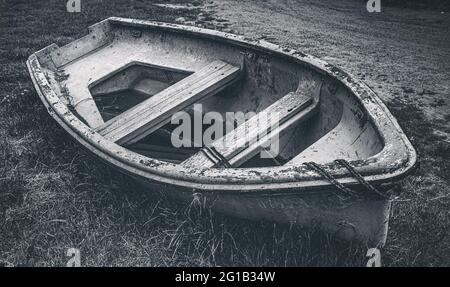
(159, 144)
(112, 104)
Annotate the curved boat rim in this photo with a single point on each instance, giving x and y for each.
(396, 159)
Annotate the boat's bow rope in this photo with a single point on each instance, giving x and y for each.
(314, 166)
(345, 190)
(216, 157)
(361, 179)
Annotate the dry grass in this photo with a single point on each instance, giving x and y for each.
(419, 233)
(53, 196)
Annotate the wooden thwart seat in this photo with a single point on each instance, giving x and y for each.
(148, 116)
(252, 136)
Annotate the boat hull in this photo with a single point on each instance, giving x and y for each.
(360, 220)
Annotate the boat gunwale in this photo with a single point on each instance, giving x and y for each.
(392, 163)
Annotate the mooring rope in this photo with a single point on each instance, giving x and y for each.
(314, 166)
(347, 191)
(219, 160)
(360, 178)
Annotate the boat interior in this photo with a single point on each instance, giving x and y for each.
(126, 83)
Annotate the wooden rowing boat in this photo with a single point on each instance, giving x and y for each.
(340, 151)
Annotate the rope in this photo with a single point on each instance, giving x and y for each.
(361, 179)
(210, 155)
(223, 161)
(314, 166)
(217, 158)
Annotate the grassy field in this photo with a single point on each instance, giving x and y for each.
(53, 196)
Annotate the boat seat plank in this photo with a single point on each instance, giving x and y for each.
(252, 136)
(86, 107)
(153, 113)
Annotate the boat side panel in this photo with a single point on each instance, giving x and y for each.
(363, 220)
(98, 36)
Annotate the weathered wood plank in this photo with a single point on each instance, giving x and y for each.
(250, 137)
(87, 108)
(153, 113)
